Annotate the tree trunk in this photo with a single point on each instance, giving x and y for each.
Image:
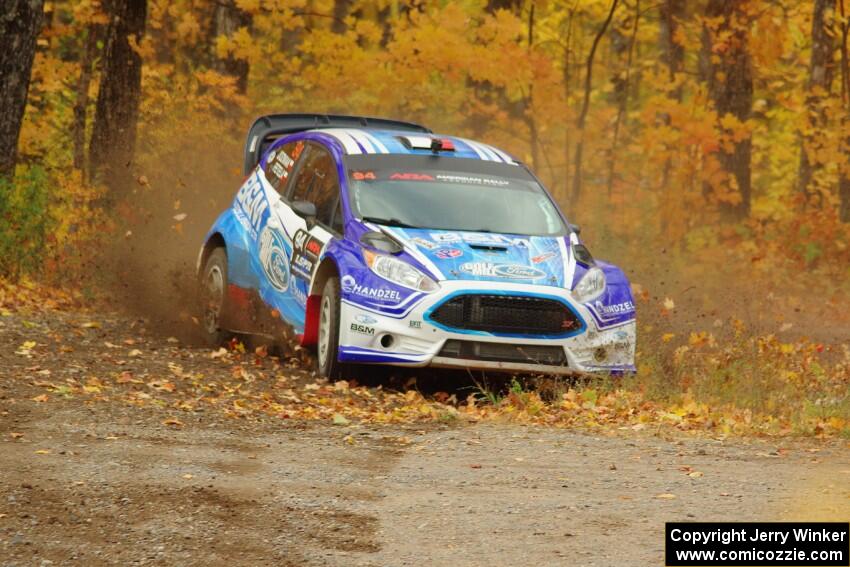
(20, 24)
(672, 53)
(341, 11)
(567, 80)
(582, 117)
(534, 136)
(81, 103)
(821, 72)
(672, 13)
(730, 86)
(227, 20)
(622, 91)
(114, 131)
(844, 170)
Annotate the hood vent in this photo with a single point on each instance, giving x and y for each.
(488, 247)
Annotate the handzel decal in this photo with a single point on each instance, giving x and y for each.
(509, 271)
(350, 285)
(273, 258)
(614, 310)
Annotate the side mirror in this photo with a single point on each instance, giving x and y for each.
(304, 209)
(575, 228)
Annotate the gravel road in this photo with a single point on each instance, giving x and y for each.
(101, 483)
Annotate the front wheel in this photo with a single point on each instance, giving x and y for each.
(213, 295)
(328, 342)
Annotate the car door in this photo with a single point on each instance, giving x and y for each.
(315, 181)
(274, 244)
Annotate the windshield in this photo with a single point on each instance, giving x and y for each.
(446, 193)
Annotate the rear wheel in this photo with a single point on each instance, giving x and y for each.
(327, 349)
(213, 295)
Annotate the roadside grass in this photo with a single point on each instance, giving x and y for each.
(739, 384)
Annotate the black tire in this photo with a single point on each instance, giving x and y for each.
(327, 345)
(213, 297)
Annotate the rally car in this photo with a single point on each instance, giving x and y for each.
(378, 242)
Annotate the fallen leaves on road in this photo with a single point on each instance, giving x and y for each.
(798, 393)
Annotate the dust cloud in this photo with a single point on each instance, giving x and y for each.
(180, 190)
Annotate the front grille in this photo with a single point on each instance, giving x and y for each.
(497, 352)
(506, 314)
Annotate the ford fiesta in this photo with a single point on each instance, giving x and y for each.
(378, 242)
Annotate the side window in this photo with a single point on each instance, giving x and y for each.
(336, 222)
(317, 182)
(279, 163)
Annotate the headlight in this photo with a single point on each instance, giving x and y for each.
(590, 286)
(399, 272)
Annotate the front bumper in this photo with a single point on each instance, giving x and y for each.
(411, 338)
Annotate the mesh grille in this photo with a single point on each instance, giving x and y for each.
(532, 354)
(506, 314)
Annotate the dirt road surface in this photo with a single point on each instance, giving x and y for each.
(110, 484)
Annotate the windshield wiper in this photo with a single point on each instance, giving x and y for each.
(388, 222)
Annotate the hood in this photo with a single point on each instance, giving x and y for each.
(485, 256)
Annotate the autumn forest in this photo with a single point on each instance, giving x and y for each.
(702, 144)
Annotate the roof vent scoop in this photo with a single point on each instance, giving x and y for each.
(436, 145)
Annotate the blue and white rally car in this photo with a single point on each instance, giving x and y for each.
(379, 242)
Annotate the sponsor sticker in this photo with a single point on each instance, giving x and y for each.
(285, 161)
(362, 329)
(427, 244)
(448, 253)
(274, 259)
(470, 180)
(542, 257)
(304, 264)
(363, 175)
(299, 294)
(445, 237)
(251, 204)
(415, 324)
(478, 238)
(314, 246)
(615, 309)
(349, 285)
(305, 254)
(508, 271)
(411, 177)
(365, 319)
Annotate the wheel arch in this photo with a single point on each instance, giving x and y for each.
(326, 270)
(215, 240)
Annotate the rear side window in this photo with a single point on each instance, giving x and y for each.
(279, 163)
(317, 181)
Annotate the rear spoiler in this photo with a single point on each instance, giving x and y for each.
(267, 129)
